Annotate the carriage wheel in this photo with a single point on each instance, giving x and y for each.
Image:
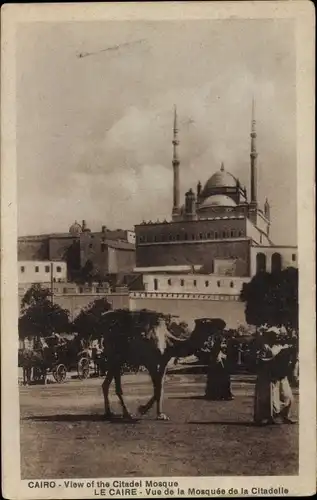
(59, 373)
(83, 368)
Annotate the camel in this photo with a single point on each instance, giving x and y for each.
(149, 339)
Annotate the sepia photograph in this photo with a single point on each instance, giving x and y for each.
(157, 331)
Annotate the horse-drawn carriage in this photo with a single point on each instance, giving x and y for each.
(55, 357)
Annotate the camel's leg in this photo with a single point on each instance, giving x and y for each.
(119, 393)
(105, 389)
(159, 392)
(143, 409)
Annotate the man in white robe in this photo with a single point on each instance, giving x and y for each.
(273, 394)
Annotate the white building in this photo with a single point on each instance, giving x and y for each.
(39, 271)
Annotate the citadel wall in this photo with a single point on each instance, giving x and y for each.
(189, 309)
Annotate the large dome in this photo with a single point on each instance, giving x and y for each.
(219, 179)
(218, 200)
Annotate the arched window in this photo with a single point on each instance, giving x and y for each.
(276, 262)
(182, 282)
(260, 262)
(155, 284)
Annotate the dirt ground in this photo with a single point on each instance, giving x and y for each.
(63, 434)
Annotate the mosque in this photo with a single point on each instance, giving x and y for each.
(193, 265)
(214, 242)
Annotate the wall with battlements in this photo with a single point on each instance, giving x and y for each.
(74, 302)
(182, 231)
(189, 308)
(194, 284)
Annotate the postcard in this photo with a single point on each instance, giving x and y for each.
(157, 250)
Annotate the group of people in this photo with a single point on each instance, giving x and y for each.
(54, 340)
(276, 361)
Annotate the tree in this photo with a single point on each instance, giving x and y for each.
(40, 317)
(87, 272)
(34, 295)
(72, 257)
(89, 321)
(272, 299)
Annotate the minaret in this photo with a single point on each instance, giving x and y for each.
(176, 190)
(253, 157)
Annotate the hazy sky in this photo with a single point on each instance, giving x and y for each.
(94, 133)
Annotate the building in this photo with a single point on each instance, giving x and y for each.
(215, 241)
(41, 271)
(108, 251)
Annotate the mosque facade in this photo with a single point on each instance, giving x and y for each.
(220, 229)
(195, 264)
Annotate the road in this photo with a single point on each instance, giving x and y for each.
(63, 434)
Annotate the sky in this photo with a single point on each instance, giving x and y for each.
(94, 133)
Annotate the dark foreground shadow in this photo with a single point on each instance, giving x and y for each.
(203, 398)
(240, 424)
(188, 397)
(81, 418)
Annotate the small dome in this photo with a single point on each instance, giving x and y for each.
(218, 200)
(75, 228)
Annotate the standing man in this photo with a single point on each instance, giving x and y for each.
(218, 387)
(273, 394)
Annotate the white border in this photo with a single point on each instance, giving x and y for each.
(303, 14)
